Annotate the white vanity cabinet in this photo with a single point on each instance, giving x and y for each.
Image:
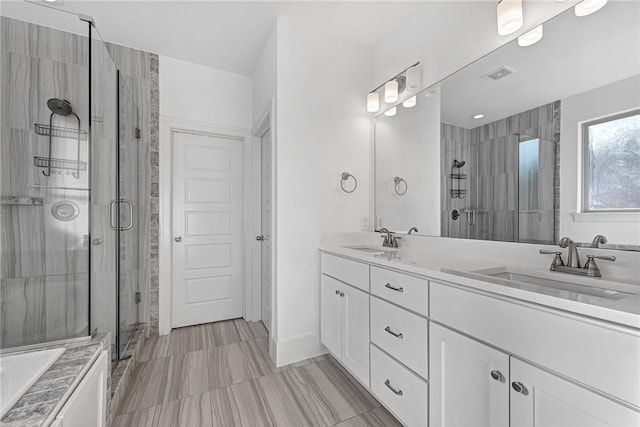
(539, 398)
(87, 404)
(469, 381)
(446, 354)
(344, 325)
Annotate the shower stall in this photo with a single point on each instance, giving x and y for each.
(71, 173)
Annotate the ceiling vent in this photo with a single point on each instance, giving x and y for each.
(499, 73)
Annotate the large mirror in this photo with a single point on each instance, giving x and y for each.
(525, 144)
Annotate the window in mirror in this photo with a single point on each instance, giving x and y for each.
(611, 177)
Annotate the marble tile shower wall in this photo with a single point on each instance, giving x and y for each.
(43, 285)
(491, 155)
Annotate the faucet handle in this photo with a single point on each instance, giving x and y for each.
(603, 257)
(592, 267)
(557, 260)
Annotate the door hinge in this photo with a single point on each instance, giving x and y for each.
(138, 133)
(138, 297)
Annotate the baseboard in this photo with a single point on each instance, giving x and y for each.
(296, 349)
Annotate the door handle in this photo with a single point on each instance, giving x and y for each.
(396, 392)
(130, 205)
(178, 239)
(398, 289)
(111, 216)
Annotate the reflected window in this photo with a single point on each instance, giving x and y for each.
(611, 169)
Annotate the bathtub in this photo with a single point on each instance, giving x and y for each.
(18, 372)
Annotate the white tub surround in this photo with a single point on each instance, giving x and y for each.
(442, 331)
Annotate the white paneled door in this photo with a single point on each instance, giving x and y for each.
(207, 228)
(265, 286)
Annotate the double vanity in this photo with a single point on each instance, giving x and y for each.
(443, 340)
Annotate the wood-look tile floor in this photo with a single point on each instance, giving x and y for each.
(220, 374)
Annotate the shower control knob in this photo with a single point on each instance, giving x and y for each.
(178, 239)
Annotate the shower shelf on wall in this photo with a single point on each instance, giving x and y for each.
(64, 164)
(60, 132)
(458, 176)
(458, 193)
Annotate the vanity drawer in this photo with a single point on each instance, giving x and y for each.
(411, 347)
(402, 391)
(598, 354)
(351, 272)
(406, 291)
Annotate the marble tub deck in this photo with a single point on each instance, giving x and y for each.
(51, 390)
(220, 374)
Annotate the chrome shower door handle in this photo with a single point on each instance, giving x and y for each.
(130, 205)
(112, 203)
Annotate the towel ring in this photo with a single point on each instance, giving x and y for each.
(345, 177)
(397, 180)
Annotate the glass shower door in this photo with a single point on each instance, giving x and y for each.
(104, 191)
(129, 230)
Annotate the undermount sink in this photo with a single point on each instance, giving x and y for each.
(556, 282)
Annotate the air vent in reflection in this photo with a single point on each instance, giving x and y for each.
(499, 73)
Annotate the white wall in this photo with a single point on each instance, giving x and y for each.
(408, 145)
(202, 94)
(265, 77)
(323, 129)
(607, 100)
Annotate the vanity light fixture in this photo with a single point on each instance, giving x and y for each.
(391, 112)
(391, 91)
(587, 7)
(510, 16)
(394, 87)
(373, 102)
(531, 37)
(477, 116)
(411, 102)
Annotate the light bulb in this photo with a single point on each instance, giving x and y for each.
(411, 102)
(391, 91)
(414, 78)
(531, 37)
(391, 112)
(373, 102)
(587, 7)
(509, 16)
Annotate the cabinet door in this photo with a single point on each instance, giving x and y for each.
(541, 399)
(355, 332)
(468, 381)
(87, 404)
(331, 315)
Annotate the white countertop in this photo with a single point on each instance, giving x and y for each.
(460, 270)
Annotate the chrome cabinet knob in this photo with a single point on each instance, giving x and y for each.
(519, 387)
(259, 238)
(341, 294)
(496, 375)
(337, 292)
(178, 239)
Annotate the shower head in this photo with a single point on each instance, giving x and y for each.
(60, 106)
(458, 164)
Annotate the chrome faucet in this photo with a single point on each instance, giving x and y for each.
(412, 229)
(590, 268)
(390, 240)
(573, 259)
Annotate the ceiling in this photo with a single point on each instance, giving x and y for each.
(227, 35)
(575, 55)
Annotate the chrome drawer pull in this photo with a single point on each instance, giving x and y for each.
(388, 286)
(398, 335)
(397, 392)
